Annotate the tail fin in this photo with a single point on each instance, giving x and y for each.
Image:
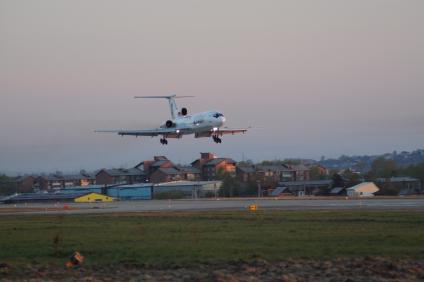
(171, 99)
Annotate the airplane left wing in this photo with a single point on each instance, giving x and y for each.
(225, 131)
(168, 132)
(219, 132)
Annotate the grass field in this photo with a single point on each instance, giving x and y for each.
(203, 237)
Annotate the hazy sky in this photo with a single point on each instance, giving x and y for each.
(320, 77)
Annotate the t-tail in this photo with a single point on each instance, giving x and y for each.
(171, 99)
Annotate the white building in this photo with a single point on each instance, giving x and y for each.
(366, 189)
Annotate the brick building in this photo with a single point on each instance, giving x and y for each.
(26, 183)
(120, 176)
(270, 175)
(59, 180)
(162, 175)
(209, 165)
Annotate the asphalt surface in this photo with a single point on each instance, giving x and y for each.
(214, 204)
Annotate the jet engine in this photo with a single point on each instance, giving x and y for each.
(169, 124)
(184, 111)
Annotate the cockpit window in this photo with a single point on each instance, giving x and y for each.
(217, 115)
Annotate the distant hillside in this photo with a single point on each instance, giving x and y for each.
(363, 163)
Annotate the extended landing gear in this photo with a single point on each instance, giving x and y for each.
(216, 139)
(163, 141)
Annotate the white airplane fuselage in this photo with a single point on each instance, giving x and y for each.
(201, 122)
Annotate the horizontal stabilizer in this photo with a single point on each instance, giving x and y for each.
(171, 99)
(163, 97)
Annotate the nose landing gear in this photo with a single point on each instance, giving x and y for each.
(216, 139)
(163, 141)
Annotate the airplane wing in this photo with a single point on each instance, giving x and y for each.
(146, 132)
(225, 131)
(219, 132)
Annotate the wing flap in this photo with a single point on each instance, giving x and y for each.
(226, 131)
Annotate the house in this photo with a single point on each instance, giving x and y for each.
(151, 166)
(301, 172)
(27, 183)
(204, 158)
(399, 185)
(270, 175)
(59, 180)
(165, 175)
(318, 169)
(246, 173)
(120, 176)
(160, 169)
(190, 173)
(209, 165)
(365, 189)
(210, 169)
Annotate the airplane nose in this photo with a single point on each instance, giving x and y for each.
(223, 120)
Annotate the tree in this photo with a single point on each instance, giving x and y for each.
(383, 168)
(416, 171)
(315, 173)
(7, 186)
(230, 186)
(352, 178)
(245, 163)
(338, 180)
(361, 166)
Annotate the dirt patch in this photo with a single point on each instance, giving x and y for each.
(357, 269)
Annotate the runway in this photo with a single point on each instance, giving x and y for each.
(214, 204)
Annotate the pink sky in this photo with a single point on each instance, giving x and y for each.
(320, 77)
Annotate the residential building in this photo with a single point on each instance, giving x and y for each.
(209, 166)
(301, 172)
(120, 176)
(59, 180)
(151, 166)
(270, 175)
(246, 174)
(165, 175)
(27, 183)
(190, 173)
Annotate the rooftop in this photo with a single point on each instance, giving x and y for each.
(169, 171)
(124, 172)
(307, 183)
(217, 161)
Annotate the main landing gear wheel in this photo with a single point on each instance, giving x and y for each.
(217, 140)
(163, 141)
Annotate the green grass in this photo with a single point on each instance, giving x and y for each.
(185, 238)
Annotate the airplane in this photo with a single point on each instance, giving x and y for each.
(202, 125)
